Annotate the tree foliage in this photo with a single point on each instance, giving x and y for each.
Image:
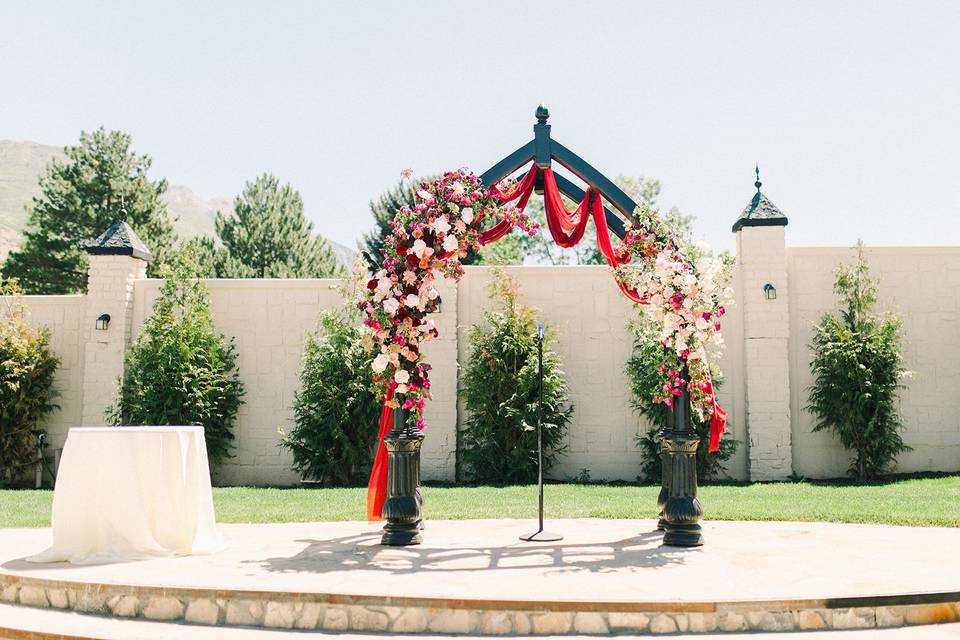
(79, 199)
(267, 236)
(181, 371)
(500, 390)
(857, 368)
(336, 410)
(27, 368)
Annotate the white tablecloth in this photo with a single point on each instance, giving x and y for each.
(132, 492)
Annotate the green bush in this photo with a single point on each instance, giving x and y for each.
(500, 390)
(26, 386)
(857, 367)
(336, 410)
(181, 371)
(644, 384)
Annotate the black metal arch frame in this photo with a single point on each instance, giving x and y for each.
(543, 150)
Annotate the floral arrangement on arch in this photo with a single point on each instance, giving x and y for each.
(426, 243)
(682, 292)
(685, 296)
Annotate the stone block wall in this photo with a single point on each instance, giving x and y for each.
(765, 364)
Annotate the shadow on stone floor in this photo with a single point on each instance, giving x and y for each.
(363, 552)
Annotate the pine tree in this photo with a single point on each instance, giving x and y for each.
(79, 199)
(268, 236)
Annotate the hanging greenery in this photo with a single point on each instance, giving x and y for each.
(857, 369)
(500, 388)
(27, 368)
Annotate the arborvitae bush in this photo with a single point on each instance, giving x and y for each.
(500, 390)
(644, 385)
(26, 386)
(857, 370)
(336, 410)
(181, 371)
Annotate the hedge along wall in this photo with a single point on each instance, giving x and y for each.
(270, 317)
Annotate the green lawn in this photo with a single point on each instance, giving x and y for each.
(929, 501)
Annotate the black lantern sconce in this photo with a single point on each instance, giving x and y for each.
(769, 291)
(103, 322)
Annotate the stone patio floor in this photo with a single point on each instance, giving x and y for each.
(598, 560)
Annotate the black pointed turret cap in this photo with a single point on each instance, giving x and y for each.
(760, 212)
(119, 240)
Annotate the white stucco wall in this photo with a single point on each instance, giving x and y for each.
(270, 318)
(922, 285)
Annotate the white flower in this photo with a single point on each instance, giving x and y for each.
(380, 362)
(441, 224)
(467, 215)
(450, 243)
(425, 195)
(402, 376)
(412, 300)
(458, 188)
(419, 247)
(390, 305)
(432, 294)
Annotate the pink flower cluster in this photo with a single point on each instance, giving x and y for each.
(685, 298)
(427, 242)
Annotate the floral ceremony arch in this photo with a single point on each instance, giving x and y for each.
(460, 212)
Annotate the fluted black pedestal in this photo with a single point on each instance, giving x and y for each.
(402, 509)
(682, 510)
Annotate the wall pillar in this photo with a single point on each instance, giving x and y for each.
(117, 259)
(761, 259)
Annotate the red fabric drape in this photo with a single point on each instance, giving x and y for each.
(562, 222)
(377, 486)
(522, 191)
(718, 421)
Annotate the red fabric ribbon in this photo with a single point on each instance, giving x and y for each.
(377, 486)
(562, 222)
(522, 191)
(718, 421)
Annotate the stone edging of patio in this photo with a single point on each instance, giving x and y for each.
(371, 613)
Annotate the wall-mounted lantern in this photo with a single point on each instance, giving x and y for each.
(769, 291)
(103, 322)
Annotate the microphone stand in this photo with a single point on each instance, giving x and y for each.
(540, 535)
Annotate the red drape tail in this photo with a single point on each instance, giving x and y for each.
(377, 486)
(718, 421)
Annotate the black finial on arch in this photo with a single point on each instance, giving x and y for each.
(542, 114)
(758, 184)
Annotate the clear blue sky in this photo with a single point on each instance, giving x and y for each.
(852, 109)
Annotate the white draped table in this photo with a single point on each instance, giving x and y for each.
(132, 492)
